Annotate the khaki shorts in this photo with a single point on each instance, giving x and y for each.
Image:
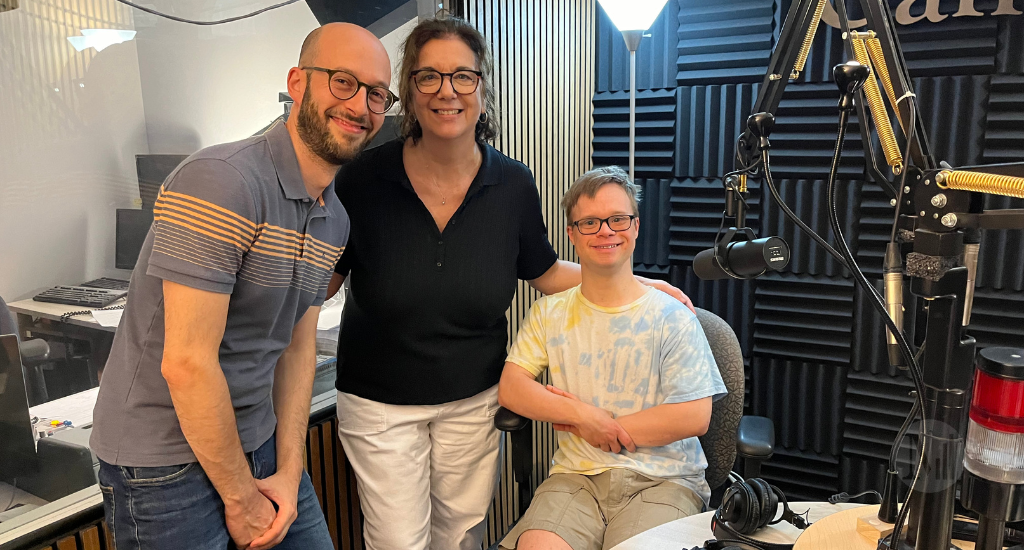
(599, 511)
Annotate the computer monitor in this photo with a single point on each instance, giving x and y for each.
(17, 446)
(130, 232)
(152, 170)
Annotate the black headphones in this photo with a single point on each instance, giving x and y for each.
(748, 506)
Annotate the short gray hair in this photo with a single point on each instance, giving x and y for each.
(588, 184)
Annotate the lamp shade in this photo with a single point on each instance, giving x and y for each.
(632, 15)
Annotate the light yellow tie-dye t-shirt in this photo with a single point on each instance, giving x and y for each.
(624, 360)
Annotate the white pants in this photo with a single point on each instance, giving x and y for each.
(427, 473)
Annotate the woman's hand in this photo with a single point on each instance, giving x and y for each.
(668, 289)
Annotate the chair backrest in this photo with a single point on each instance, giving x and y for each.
(7, 323)
(719, 442)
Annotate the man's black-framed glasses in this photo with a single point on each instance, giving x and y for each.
(618, 222)
(344, 85)
(429, 81)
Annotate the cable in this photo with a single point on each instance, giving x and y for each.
(847, 497)
(903, 175)
(858, 275)
(218, 22)
(906, 423)
(769, 181)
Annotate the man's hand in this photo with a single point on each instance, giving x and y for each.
(668, 289)
(247, 520)
(283, 490)
(597, 426)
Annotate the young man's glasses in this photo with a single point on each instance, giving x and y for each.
(345, 86)
(429, 81)
(590, 226)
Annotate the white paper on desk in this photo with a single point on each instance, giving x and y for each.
(76, 407)
(330, 314)
(107, 317)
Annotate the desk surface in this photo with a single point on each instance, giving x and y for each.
(694, 530)
(834, 527)
(53, 312)
(24, 527)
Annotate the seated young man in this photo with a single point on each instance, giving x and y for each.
(632, 381)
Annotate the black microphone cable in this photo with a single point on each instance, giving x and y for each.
(879, 305)
(769, 181)
(194, 22)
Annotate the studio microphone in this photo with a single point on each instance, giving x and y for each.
(742, 260)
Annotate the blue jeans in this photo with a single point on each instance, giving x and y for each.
(176, 507)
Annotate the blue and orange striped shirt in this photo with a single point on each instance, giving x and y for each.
(233, 219)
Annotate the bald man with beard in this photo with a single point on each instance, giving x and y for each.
(202, 414)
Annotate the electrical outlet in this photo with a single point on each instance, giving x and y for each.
(8, 5)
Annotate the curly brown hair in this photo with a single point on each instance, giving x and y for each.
(448, 27)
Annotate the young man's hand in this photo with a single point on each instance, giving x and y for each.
(596, 426)
(282, 489)
(249, 518)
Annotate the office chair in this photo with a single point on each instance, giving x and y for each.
(34, 354)
(730, 434)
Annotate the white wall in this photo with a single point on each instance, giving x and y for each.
(71, 124)
(207, 85)
(67, 158)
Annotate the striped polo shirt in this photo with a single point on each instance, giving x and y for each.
(233, 219)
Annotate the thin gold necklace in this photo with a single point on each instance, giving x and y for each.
(439, 192)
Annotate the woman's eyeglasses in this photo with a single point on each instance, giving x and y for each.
(429, 81)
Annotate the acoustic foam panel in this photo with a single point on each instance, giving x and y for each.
(802, 476)
(804, 400)
(1001, 258)
(1004, 128)
(652, 245)
(953, 46)
(710, 118)
(655, 131)
(730, 299)
(724, 42)
(809, 201)
(874, 227)
(806, 125)
(655, 59)
(801, 317)
(997, 318)
(696, 217)
(953, 110)
(876, 406)
(1009, 44)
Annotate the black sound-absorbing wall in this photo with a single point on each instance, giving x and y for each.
(813, 344)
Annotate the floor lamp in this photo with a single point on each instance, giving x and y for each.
(632, 18)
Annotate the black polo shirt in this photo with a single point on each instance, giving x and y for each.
(425, 319)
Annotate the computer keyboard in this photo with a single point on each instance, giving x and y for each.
(107, 282)
(79, 296)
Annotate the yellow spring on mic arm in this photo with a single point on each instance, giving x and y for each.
(873, 95)
(878, 62)
(805, 48)
(981, 182)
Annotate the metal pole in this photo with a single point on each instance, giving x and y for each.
(632, 113)
(632, 39)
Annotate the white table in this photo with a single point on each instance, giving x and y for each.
(29, 310)
(694, 530)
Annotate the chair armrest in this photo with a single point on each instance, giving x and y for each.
(755, 437)
(508, 421)
(34, 351)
